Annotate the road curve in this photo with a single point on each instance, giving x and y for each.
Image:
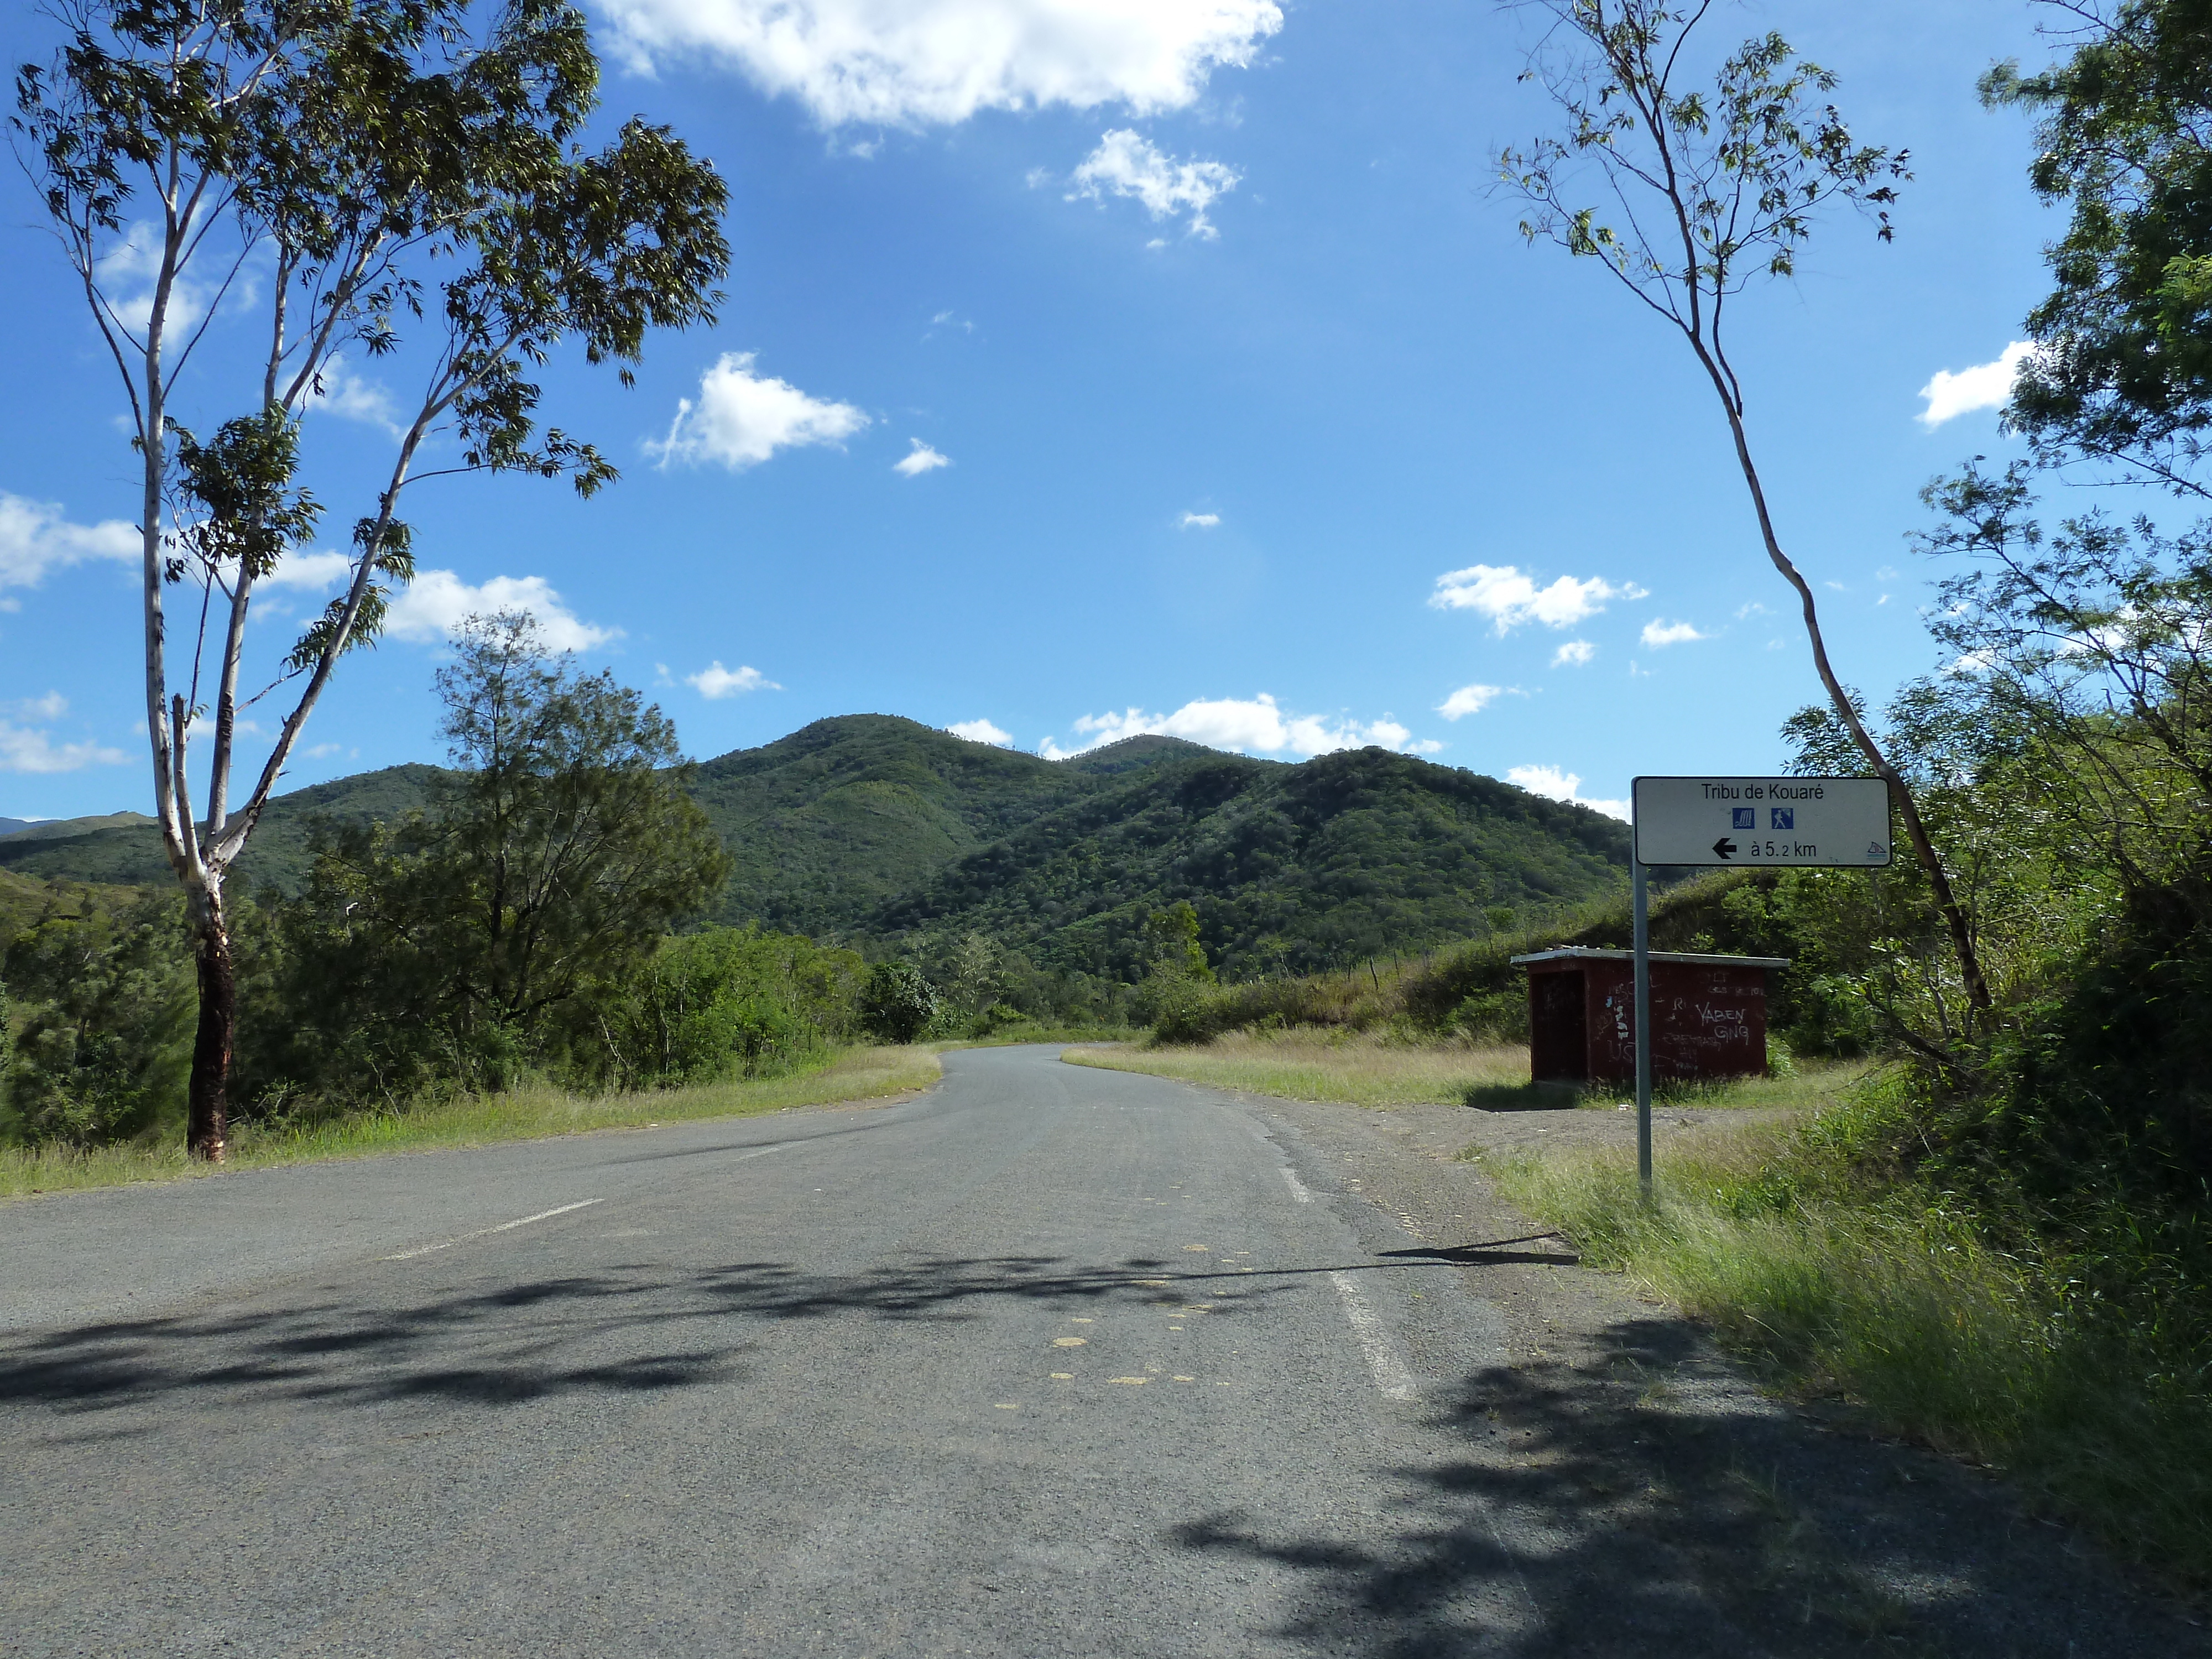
(1048, 1361)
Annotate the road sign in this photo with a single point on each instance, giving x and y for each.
(1762, 821)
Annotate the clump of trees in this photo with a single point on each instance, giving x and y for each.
(408, 173)
(524, 923)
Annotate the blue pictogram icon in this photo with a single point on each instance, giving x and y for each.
(1784, 818)
(1747, 817)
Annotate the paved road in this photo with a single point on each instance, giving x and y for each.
(1048, 1361)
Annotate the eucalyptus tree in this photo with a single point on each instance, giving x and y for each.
(1701, 191)
(404, 178)
(2122, 371)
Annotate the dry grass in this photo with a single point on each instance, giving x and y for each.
(1304, 1064)
(524, 1114)
(1368, 1070)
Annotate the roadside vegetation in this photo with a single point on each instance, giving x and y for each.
(525, 1112)
(1829, 1252)
(511, 960)
(1307, 1064)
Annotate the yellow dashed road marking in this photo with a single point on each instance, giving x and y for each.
(1069, 1341)
(1137, 1381)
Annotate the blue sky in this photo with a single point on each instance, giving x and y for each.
(1094, 366)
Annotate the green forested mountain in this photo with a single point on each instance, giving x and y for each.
(828, 824)
(276, 857)
(1360, 853)
(868, 827)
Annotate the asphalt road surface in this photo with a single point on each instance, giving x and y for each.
(1048, 1361)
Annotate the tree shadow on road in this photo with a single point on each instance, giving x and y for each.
(602, 1331)
(1647, 1502)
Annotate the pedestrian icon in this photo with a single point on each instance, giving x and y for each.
(1747, 817)
(1784, 818)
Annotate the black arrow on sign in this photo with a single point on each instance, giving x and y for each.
(1725, 848)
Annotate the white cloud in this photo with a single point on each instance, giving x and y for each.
(715, 681)
(920, 459)
(981, 731)
(1658, 634)
(1575, 654)
(1509, 598)
(1198, 521)
(1753, 608)
(437, 602)
(1556, 785)
(741, 418)
(34, 538)
(52, 706)
(127, 272)
(313, 572)
(26, 749)
(1256, 725)
(907, 62)
(340, 390)
(1986, 385)
(1469, 700)
(1127, 163)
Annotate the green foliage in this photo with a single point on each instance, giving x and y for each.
(2123, 368)
(1734, 176)
(105, 1009)
(710, 1006)
(898, 1004)
(455, 945)
(1293, 867)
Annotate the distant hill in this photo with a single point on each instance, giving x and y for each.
(131, 853)
(828, 824)
(49, 829)
(869, 827)
(1359, 853)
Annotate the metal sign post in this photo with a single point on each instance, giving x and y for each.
(1642, 1029)
(1769, 821)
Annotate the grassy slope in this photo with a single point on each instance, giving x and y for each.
(524, 1115)
(1304, 1066)
(1839, 1281)
(1364, 1070)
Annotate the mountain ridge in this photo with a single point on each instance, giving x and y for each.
(876, 829)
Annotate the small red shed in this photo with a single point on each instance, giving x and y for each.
(1708, 1015)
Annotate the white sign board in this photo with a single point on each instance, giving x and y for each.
(1762, 821)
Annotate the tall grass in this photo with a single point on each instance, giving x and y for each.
(1838, 1281)
(523, 1114)
(1361, 1070)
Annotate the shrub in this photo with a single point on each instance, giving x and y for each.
(898, 1006)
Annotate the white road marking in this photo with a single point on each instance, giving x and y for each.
(486, 1232)
(1297, 1187)
(1391, 1376)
